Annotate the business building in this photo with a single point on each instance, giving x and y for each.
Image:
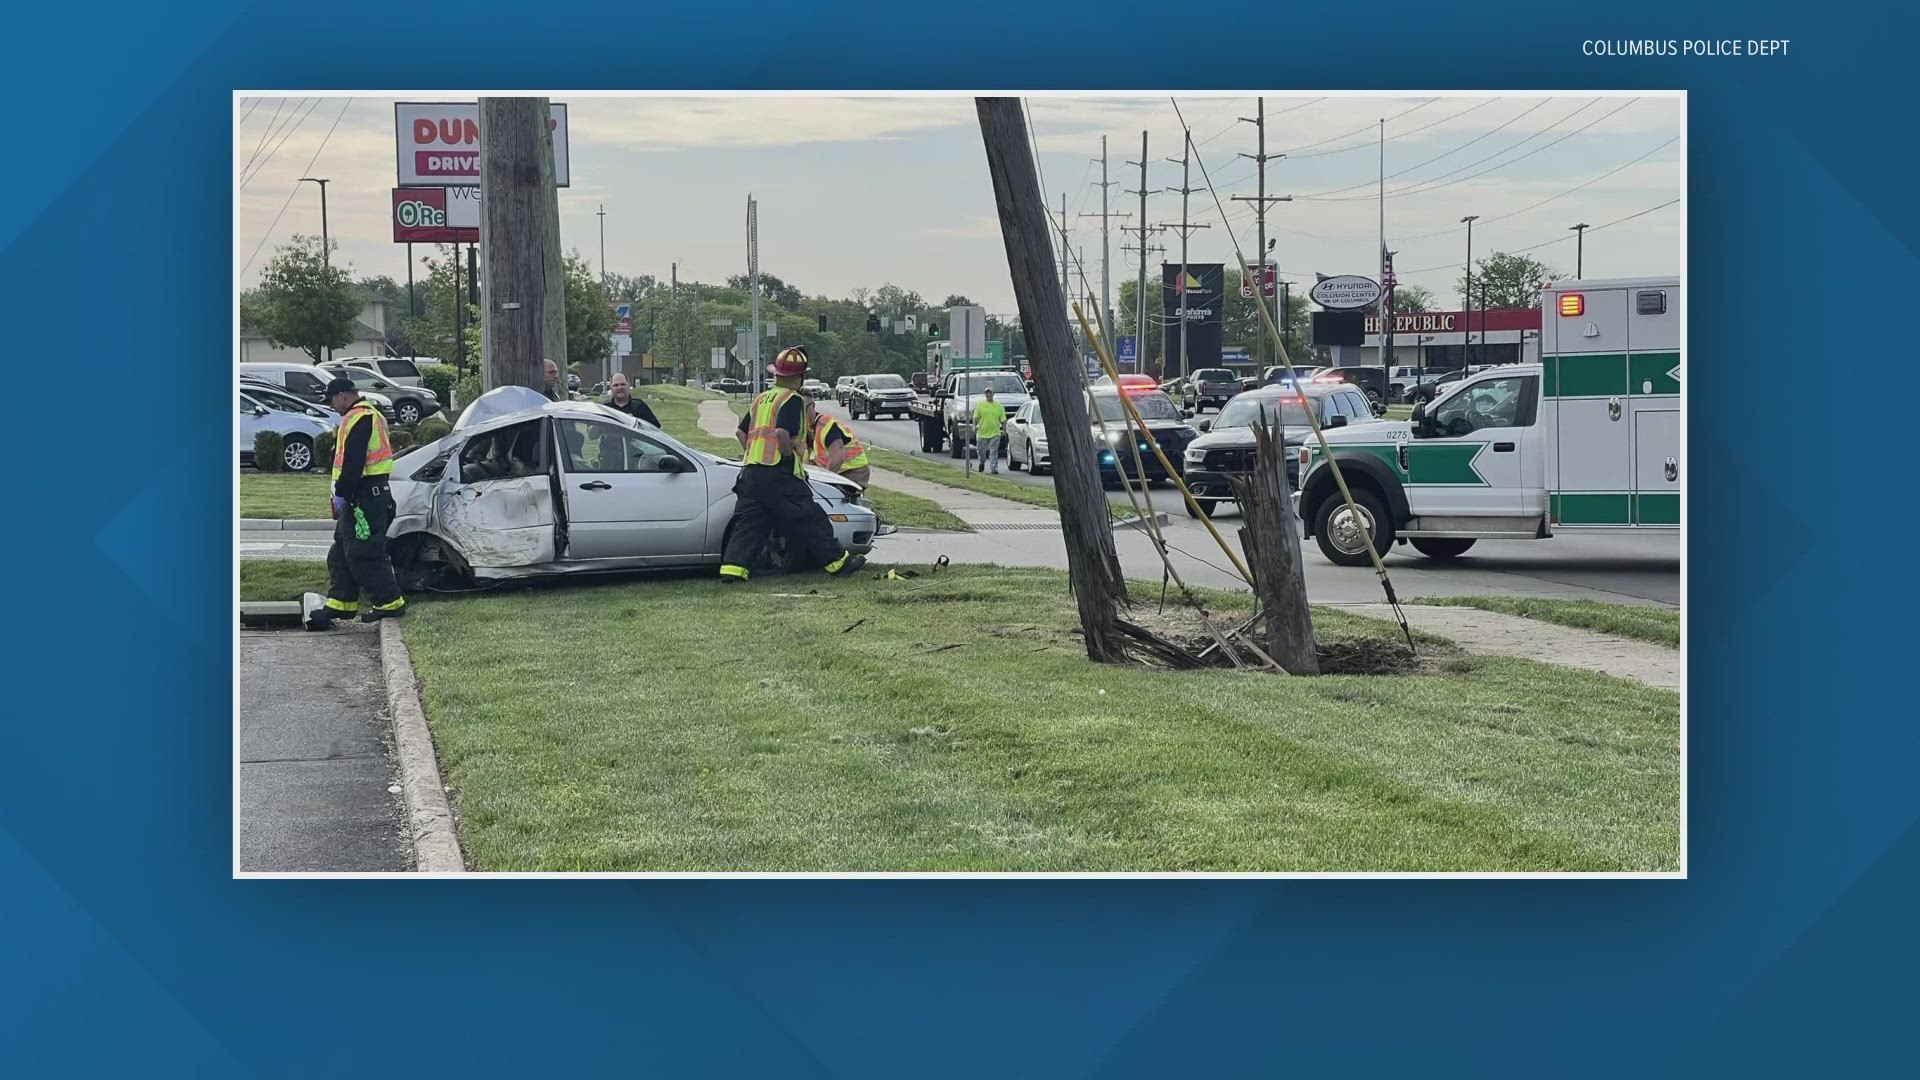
(1445, 340)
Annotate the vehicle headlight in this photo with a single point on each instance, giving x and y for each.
(1040, 445)
(1195, 455)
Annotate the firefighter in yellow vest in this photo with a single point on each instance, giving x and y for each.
(833, 445)
(363, 509)
(772, 495)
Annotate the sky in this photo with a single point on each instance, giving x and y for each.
(868, 190)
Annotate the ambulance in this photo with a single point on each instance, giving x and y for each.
(1586, 439)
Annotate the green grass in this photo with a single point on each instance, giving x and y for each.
(1399, 412)
(1642, 622)
(283, 495)
(957, 725)
(281, 579)
(678, 408)
(940, 472)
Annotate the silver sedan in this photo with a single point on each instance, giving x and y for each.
(565, 487)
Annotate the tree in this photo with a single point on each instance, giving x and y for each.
(1408, 299)
(432, 333)
(957, 300)
(306, 303)
(1509, 281)
(589, 314)
(772, 290)
(631, 289)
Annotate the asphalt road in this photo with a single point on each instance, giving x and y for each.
(1641, 566)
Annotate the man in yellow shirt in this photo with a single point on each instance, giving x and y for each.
(989, 418)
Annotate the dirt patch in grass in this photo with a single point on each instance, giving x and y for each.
(1369, 656)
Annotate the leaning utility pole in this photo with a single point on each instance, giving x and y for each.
(556, 313)
(1144, 230)
(516, 184)
(1260, 202)
(1185, 189)
(1093, 566)
(1106, 247)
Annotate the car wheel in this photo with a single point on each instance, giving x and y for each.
(297, 453)
(1441, 547)
(955, 448)
(1340, 532)
(407, 412)
(1206, 506)
(1013, 463)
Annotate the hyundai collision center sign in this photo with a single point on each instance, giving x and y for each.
(1345, 292)
(438, 144)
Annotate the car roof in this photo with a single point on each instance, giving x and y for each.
(1303, 389)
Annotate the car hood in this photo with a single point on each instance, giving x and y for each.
(1242, 437)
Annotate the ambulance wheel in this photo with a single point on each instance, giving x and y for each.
(1339, 531)
(1436, 547)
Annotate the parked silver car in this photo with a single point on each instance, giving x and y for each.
(307, 382)
(525, 487)
(297, 431)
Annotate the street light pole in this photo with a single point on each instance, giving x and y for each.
(1579, 247)
(1466, 327)
(326, 243)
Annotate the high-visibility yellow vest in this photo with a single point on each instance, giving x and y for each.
(856, 451)
(379, 447)
(763, 442)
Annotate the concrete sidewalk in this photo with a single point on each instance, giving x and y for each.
(248, 524)
(314, 757)
(1497, 634)
(969, 506)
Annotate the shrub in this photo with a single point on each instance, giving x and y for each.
(430, 429)
(465, 391)
(268, 447)
(440, 378)
(323, 450)
(402, 440)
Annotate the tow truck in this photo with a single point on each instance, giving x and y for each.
(944, 410)
(1586, 439)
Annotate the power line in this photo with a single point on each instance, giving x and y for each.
(1368, 144)
(1431, 160)
(1549, 243)
(1371, 144)
(278, 104)
(296, 188)
(1417, 189)
(287, 134)
(1552, 198)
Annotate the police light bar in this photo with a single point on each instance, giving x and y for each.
(1573, 303)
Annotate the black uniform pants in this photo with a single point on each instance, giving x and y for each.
(770, 500)
(355, 563)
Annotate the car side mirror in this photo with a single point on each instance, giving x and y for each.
(1336, 421)
(1203, 425)
(1419, 415)
(674, 464)
(942, 394)
(259, 410)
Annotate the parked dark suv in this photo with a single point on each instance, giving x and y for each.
(1208, 386)
(1372, 381)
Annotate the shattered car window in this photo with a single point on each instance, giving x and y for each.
(511, 451)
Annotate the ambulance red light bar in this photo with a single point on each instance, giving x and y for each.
(1572, 304)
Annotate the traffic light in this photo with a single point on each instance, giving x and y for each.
(873, 324)
(823, 324)
(933, 329)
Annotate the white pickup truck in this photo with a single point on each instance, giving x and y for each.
(1589, 438)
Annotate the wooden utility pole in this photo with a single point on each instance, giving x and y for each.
(1093, 565)
(1272, 544)
(554, 316)
(514, 190)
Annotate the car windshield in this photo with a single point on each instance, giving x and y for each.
(1246, 410)
(886, 382)
(1153, 406)
(1216, 374)
(1000, 382)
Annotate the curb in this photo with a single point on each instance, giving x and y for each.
(276, 524)
(436, 838)
(1139, 523)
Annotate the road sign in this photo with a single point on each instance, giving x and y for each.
(1345, 292)
(1129, 349)
(719, 359)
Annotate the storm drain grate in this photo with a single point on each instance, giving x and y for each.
(1018, 526)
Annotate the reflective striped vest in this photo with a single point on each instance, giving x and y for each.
(856, 451)
(763, 442)
(379, 447)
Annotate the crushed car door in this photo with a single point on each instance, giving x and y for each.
(497, 507)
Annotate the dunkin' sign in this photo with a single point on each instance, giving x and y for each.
(438, 145)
